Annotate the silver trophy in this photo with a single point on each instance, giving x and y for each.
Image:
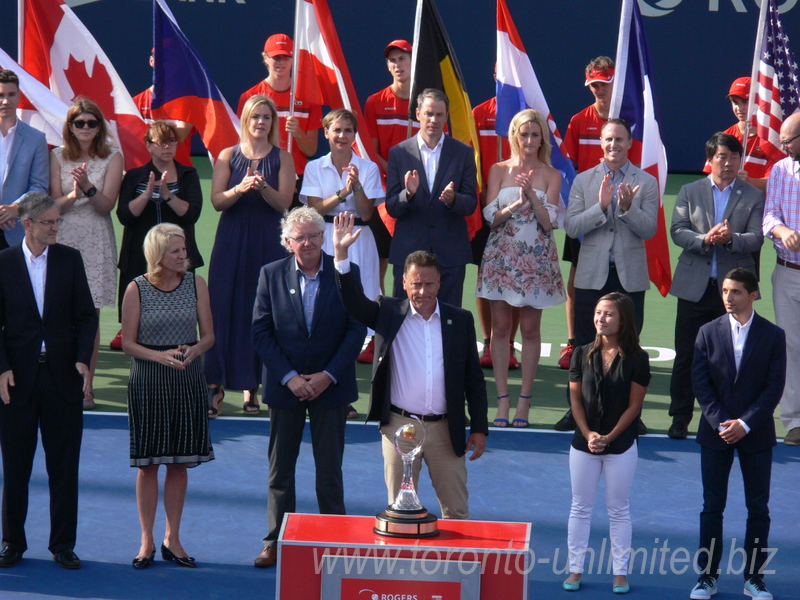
(406, 517)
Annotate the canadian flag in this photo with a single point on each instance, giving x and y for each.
(321, 75)
(58, 50)
(38, 107)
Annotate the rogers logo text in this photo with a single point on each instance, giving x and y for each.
(660, 8)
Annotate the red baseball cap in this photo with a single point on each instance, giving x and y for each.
(599, 74)
(279, 44)
(400, 45)
(740, 87)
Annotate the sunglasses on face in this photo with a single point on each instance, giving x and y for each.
(91, 124)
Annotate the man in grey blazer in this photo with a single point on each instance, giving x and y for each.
(613, 207)
(717, 222)
(431, 189)
(24, 166)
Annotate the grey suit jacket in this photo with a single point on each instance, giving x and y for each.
(623, 232)
(693, 217)
(28, 170)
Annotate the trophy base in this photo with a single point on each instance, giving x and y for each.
(406, 524)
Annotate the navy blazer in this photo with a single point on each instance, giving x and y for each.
(463, 376)
(27, 170)
(284, 343)
(423, 221)
(68, 324)
(751, 394)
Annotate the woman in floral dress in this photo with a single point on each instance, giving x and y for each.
(520, 263)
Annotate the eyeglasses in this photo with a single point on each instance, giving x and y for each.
(167, 144)
(787, 142)
(302, 239)
(48, 223)
(91, 124)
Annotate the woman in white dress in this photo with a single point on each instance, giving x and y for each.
(520, 263)
(85, 177)
(343, 181)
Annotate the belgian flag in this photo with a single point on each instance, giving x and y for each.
(435, 66)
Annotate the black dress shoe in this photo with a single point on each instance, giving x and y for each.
(678, 431)
(67, 559)
(183, 561)
(9, 557)
(566, 423)
(143, 563)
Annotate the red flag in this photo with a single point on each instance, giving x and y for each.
(58, 50)
(632, 100)
(321, 74)
(774, 90)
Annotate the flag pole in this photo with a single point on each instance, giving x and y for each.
(762, 21)
(413, 92)
(294, 69)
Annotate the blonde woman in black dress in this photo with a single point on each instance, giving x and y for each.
(167, 392)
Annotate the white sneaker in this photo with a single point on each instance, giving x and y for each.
(705, 588)
(755, 588)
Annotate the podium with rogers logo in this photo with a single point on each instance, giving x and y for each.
(338, 557)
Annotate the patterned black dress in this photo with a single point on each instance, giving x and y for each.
(167, 408)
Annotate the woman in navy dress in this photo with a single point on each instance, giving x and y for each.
(252, 186)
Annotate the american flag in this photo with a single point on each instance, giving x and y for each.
(776, 91)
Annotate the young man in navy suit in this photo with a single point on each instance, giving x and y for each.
(738, 374)
(47, 328)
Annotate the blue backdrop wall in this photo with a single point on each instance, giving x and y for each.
(698, 47)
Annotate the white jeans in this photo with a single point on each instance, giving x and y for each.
(585, 470)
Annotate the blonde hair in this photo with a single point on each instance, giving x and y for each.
(100, 144)
(340, 114)
(156, 243)
(252, 103)
(530, 115)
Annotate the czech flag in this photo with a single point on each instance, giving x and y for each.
(38, 106)
(434, 65)
(58, 50)
(518, 88)
(183, 89)
(632, 100)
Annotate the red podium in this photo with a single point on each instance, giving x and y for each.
(339, 557)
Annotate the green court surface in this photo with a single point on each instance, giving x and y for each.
(548, 402)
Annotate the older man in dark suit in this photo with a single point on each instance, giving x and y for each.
(738, 374)
(431, 189)
(426, 366)
(47, 328)
(308, 344)
(24, 166)
(717, 222)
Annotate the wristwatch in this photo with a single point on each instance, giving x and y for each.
(90, 192)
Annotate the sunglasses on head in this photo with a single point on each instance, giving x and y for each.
(91, 124)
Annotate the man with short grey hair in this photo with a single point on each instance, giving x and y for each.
(48, 325)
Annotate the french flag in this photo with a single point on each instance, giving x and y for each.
(632, 100)
(183, 89)
(518, 88)
(58, 50)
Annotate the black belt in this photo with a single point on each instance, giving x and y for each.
(329, 219)
(42, 357)
(426, 418)
(786, 263)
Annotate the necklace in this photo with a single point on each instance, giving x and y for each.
(608, 358)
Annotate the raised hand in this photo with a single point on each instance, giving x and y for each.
(606, 191)
(412, 182)
(163, 188)
(343, 234)
(448, 195)
(625, 195)
(352, 178)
